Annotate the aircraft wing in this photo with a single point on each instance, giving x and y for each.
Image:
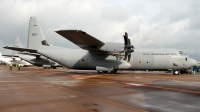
(21, 49)
(81, 38)
(11, 56)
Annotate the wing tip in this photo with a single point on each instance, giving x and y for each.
(5, 47)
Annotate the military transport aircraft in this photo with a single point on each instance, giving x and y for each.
(103, 57)
(14, 60)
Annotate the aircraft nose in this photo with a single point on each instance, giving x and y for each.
(193, 62)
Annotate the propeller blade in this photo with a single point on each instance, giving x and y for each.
(125, 57)
(129, 42)
(129, 57)
(125, 40)
(128, 48)
(126, 34)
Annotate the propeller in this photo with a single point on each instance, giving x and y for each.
(128, 47)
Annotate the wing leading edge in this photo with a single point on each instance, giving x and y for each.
(21, 49)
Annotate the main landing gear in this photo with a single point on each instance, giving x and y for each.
(106, 72)
(176, 72)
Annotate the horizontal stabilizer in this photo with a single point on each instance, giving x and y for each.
(28, 53)
(21, 49)
(11, 56)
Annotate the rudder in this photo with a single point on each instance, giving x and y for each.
(18, 44)
(35, 35)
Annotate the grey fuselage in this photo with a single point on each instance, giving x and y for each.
(81, 59)
(160, 61)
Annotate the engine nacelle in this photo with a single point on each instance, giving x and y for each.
(124, 65)
(112, 47)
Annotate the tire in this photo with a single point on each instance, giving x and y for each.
(114, 71)
(105, 71)
(181, 72)
(175, 72)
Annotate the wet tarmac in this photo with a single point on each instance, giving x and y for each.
(34, 89)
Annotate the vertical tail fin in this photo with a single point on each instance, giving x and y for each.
(18, 44)
(0, 54)
(35, 35)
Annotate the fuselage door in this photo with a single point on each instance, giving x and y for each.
(139, 61)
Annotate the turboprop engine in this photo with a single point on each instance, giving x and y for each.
(113, 47)
(123, 49)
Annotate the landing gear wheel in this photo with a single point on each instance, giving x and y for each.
(175, 72)
(113, 71)
(181, 72)
(105, 71)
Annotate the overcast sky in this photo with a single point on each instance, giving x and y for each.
(151, 24)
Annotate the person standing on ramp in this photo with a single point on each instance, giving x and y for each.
(18, 66)
(10, 66)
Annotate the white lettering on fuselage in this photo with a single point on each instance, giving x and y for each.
(159, 53)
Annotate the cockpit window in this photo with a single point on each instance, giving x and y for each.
(182, 53)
